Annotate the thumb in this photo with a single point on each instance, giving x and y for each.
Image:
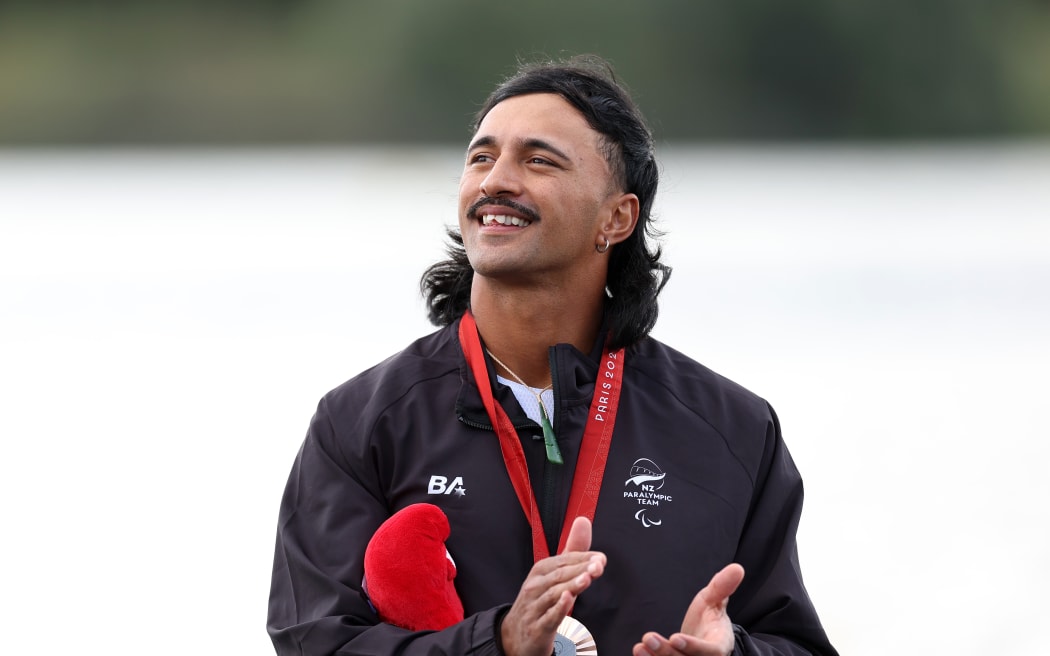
(723, 584)
(713, 598)
(579, 535)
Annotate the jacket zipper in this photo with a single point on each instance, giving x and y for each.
(551, 476)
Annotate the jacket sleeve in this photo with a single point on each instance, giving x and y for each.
(771, 609)
(331, 507)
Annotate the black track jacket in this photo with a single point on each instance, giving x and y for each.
(413, 429)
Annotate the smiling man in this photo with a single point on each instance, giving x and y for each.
(606, 490)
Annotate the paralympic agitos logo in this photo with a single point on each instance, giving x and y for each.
(643, 485)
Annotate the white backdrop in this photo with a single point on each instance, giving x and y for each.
(169, 319)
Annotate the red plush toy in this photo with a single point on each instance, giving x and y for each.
(409, 572)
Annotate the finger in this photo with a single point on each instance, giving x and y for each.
(723, 584)
(561, 608)
(551, 576)
(572, 581)
(649, 646)
(640, 650)
(686, 644)
(580, 572)
(654, 644)
(710, 603)
(567, 565)
(579, 535)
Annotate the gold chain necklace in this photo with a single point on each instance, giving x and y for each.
(549, 440)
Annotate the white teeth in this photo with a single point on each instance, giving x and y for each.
(503, 219)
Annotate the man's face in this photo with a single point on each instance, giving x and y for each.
(534, 192)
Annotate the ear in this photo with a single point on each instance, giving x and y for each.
(621, 220)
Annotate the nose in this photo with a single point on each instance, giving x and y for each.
(502, 179)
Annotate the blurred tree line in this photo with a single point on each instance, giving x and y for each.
(336, 71)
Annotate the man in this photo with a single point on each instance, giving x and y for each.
(542, 420)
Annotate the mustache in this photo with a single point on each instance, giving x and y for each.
(525, 211)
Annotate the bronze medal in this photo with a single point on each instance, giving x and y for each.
(573, 639)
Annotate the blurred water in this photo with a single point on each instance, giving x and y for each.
(168, 320)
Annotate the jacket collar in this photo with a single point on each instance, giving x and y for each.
(572, 372)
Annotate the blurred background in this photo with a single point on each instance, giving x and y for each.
(211, 213)
(331, 71)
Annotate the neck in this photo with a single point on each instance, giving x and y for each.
(518, 326)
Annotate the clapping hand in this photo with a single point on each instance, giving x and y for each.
(706, 629)
(548, 594)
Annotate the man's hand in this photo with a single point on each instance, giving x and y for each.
(548, 594)
(706, 629)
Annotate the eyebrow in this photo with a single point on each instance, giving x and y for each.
(532, 143)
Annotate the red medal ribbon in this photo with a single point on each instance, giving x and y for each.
(594, 450)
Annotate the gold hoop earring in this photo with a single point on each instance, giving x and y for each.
(602, 249)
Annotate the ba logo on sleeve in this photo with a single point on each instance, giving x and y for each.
(441, 485)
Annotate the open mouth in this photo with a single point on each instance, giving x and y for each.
(504, 219)
(489, 211)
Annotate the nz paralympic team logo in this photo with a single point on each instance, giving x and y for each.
(647, 480)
